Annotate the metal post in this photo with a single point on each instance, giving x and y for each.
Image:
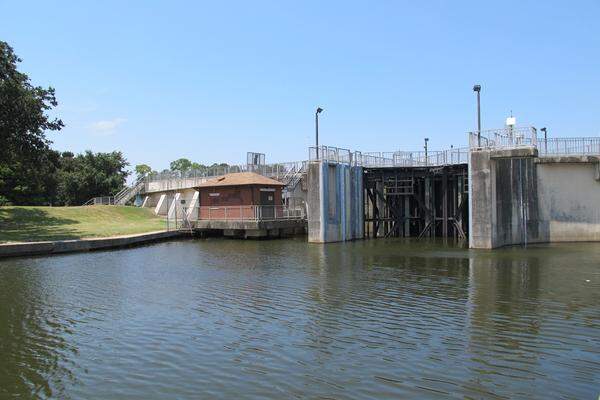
(319, 111)
(426, 160)
(477, 88)
(545, 140)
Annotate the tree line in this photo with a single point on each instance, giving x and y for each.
(31, 172)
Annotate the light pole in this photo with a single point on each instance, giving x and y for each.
(426, 161)
(319, 111)
(477, 88)
(545, 139)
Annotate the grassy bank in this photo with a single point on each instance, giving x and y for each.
(32, 224)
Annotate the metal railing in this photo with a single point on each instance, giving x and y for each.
(568, 146)
(390, 159)
(517, 137)
(330, 154)
(504, 138)
(100, 201)
(249, 213)
(170, 180)
(127, 193)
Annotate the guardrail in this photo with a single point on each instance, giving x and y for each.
(568, 146)
(516, 137)
(504, 138)
(187, 179)
(249, 213)
(390, 159)
(100, 201)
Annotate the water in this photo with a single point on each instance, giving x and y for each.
(281, 319)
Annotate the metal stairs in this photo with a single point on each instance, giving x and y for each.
(121, 198)
(128, 192)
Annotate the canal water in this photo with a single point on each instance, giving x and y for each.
(233, 319)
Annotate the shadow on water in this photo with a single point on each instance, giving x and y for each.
(28, 225)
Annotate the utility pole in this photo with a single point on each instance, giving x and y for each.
(319, 111)
(477, 88)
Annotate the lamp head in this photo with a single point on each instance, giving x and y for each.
(319, 110)
(477, 88)
(543, 130)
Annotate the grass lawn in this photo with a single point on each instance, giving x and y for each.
(32, 224)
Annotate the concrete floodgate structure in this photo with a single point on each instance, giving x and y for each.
(508, 187)
(521, 198)
(335, 202)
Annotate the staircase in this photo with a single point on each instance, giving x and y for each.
(128, 192)
(293, 176)
(119, 199)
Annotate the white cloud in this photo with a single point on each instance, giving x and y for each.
(105, 128)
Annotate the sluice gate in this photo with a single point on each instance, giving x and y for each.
(416, 201)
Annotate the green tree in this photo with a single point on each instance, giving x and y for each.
(198, 167)
(89, 175)
(26, 163)
(142, 170)
(181, 165)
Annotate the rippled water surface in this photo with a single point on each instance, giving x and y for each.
(283, 319)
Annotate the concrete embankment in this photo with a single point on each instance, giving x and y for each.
(70, 246)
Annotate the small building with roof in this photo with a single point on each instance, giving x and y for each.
(240, 196)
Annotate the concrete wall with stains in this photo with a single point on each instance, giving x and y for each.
(518, 198)
(569, 199)
(334, 202)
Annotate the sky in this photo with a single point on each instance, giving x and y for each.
(210, 81)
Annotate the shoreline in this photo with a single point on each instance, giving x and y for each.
(22, 249)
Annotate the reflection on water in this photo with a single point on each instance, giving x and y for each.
(283, 319)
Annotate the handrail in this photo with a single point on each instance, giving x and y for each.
(274, 170)
(451, 156)
(516, 137)
(568, 146)
(250, 213)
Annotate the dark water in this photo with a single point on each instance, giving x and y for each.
(283, 319)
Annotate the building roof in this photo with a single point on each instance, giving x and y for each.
(240, 179)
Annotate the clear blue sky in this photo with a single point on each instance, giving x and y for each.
(210, 81)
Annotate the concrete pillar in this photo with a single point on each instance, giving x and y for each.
(335, 204)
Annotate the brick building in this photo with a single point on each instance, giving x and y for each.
(242, 195)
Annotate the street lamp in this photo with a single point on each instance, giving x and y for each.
(319, 111)
(426, 140)
(477, 88)
(545, 139)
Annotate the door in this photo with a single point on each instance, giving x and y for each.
(267, 203)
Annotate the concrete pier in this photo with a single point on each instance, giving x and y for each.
(335, 205)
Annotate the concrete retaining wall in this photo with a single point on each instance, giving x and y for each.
(334, 202)
(569, 200)
(518, 198)
(70, 246)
